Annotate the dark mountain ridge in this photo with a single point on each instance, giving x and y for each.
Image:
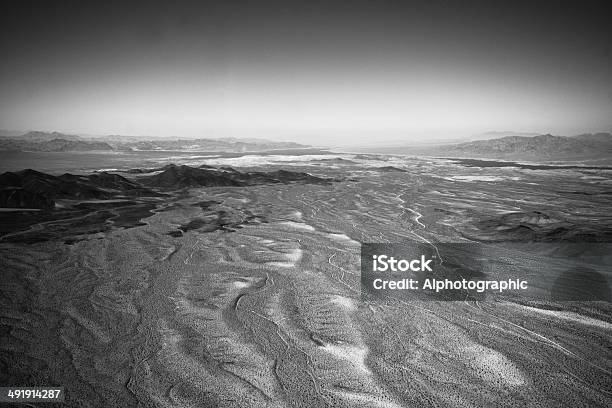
(174, 177)
(16, 197)
(33, 189)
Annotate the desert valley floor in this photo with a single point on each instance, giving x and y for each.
(250, 296)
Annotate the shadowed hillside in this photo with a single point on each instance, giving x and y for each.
(174, 176)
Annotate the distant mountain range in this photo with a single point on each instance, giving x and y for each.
(496, 134)
(208, 145)
(588, 146)
(60, 142)
(536, 147)
(37, 136)
(54, 145)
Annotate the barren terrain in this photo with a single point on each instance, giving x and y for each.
(266, 311)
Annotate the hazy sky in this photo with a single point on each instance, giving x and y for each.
(337, 72)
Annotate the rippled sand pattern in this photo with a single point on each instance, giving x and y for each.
(269, 315)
